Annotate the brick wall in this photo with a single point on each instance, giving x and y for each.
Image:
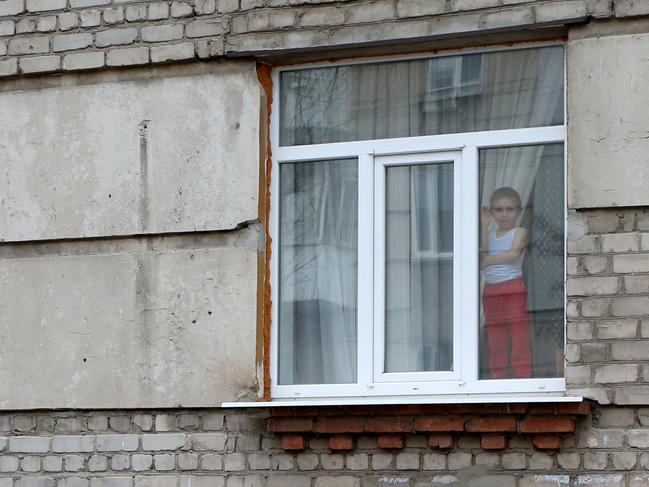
(608, 288)
(608, 305)
(42, 36)
(233, 448)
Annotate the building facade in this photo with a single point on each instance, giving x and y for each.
(246, 243)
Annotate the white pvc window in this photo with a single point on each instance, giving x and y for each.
(382, 173)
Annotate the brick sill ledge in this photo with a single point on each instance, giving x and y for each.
(546, 420)
(399, 400)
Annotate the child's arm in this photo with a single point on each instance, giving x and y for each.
(485, 221)
(509, 256)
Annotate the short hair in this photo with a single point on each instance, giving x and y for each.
(506, 192)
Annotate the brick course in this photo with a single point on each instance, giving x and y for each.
(608, 289)
(223, 447)
(608, 297)
(243, 25)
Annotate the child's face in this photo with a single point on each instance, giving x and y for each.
(505, 211)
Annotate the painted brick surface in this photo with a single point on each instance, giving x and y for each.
(608, 300)
(129, 450)
(255, 25)
(608, 291)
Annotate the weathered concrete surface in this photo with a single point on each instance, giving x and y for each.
(130, 157)
(129, 330)
(608, 135)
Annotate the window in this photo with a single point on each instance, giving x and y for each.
(417, 220)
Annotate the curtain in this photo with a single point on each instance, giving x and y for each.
(318, 268)
(489, 91)
(531, 103)
(419, 268)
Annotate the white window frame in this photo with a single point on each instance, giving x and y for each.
(460, 212)
(463, 149)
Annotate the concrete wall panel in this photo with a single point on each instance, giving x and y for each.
(608, 136)
(130, 157)
(128, 330)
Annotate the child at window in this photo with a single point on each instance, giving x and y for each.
(505, 296)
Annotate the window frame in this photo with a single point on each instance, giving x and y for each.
(370, 154)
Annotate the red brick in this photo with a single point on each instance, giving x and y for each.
(341, 442)
(542, 409)
(441, 441)
(385, 410)
(394, 424)
(493, 442)
(433, 409)
(459, 408)
(547, 442)
(333, 411)
(299, 411)
(388, 442)
(358, 410)
(290, 425)
(407, 409)
(439, 423)
(282, 411)
(293, 442)
(491, 425)
(577, 408)
(339, 425)
(547, 425)
(500, 408)
(306, 411)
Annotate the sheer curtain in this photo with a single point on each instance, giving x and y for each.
(318, 268)
(489, 91)
(419, 268)
(534, 101)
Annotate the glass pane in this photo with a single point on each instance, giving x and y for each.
(419, 268)
(463, 93)
(318, 272)
(522, 262)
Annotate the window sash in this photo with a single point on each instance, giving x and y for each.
(460, 213)
(367, 152)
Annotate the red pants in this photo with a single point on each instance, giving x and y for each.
(508, 329)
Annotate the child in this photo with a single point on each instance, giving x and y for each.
(505, 296)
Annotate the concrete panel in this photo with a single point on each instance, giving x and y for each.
(129, 157)
(129, 330)
(608, 129)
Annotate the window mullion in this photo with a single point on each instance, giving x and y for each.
(379, 267)
(467, 234)
(365, 268)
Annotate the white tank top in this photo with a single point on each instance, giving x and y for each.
(495, 274)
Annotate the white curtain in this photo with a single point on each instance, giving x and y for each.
(318, 265)
(490, 91)
(419, 268)
(536, 100)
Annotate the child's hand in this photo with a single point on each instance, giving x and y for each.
(486, 217)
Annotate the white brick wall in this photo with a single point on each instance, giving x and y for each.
(608, 293)
(234, 25)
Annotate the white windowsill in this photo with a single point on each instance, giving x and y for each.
(399, 400)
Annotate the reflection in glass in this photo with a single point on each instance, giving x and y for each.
(419, 268)
(521, 261)
(464, 93)
(318, 272)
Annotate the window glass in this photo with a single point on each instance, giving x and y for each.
(419, 268)
(462, 93)
(318, 272)
(521, 261)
